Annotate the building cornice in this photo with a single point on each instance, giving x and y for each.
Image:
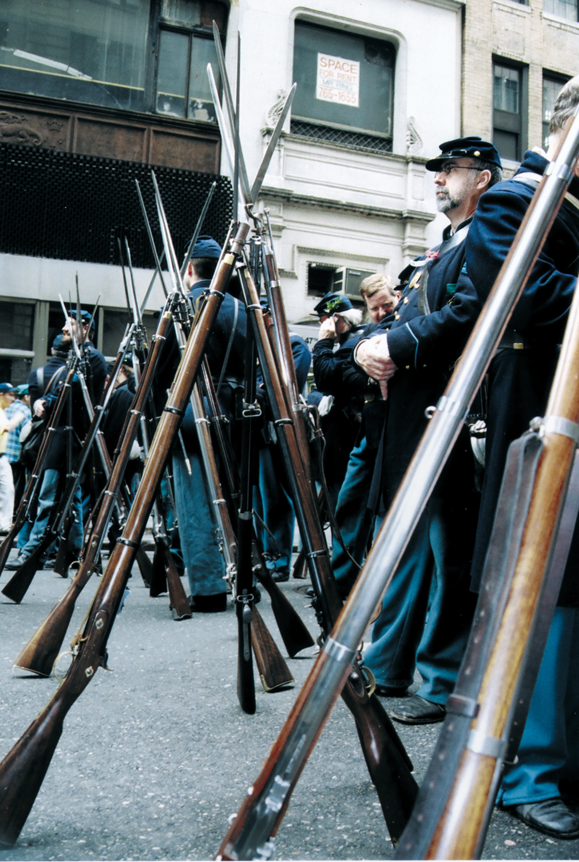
(288, 196)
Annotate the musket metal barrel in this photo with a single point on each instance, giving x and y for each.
(246, 837)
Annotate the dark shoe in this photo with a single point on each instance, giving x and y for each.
(417, 710)
(15, 564)
(281, 576)
(47, 565)
(390, 691)
(551, 816)
(209, 604)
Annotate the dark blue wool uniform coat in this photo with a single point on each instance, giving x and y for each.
(520, 379)
(341, 425)
(424, 348)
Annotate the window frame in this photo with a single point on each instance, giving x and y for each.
(560, 79)
(148, 66)
(340, 133)
(158, 24)
(503, 121)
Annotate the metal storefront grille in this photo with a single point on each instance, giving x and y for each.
(339, 136)
(72, 207)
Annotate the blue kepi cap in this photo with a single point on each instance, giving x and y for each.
(206, 247)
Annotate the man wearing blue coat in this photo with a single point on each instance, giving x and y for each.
(413, 362)
(520, 377)
(225, 353)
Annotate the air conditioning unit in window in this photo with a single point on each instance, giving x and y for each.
(347, 280)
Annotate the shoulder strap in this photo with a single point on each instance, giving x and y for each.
(529, 178)
(229, 346)
(53, 378)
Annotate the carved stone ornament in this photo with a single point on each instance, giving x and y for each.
(14, 130)
(413, 140)
(273, 114)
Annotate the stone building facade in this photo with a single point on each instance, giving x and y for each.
(516, 56)
(96, 91)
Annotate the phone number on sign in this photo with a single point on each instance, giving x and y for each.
(337, 96)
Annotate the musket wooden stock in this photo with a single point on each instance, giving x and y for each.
(459, 833)
(22, 770)
(293, 630)
(273, 670)
(40, 653)
(178, 602)
(378, 739)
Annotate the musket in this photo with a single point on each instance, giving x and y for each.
(197, 231)
(258, 818)
(33, 483)
(387, 761)
(281, 343)
(292, 628)
(383, 751)
(19, 583)
(41, 651)
(273, 670)
(23, 769)
(502, 659)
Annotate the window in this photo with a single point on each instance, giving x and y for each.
(345, 87)
(509, 110)
(185, 47)
(326, 277)
(16, 335)
(17, 325)
(96, 51)
(562, 8)
(551, 85)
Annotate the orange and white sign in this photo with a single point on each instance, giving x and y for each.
(338, 80)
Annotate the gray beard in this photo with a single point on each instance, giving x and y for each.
(443, 205)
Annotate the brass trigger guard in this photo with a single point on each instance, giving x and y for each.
(61, 676)
(371, 680)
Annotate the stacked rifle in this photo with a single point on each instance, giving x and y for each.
(475, 738)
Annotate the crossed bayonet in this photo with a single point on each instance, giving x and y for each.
(235, 155)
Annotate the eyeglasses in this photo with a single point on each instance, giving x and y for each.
(448, 169)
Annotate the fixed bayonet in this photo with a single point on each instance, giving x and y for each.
(197, 230)
(259, 177)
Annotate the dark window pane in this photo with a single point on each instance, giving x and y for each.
(506, 91)
(551, 89)
(321, 278)
(343, 79)
(91, 52)
(17, 323)
(114, 325)
(507, 144)
(200, 101)
(172, 75)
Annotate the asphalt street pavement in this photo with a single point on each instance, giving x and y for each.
(156, 755)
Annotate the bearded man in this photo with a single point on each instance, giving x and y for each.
(412, 358)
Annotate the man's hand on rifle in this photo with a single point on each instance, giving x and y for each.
(38, 407)
(373, 356)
